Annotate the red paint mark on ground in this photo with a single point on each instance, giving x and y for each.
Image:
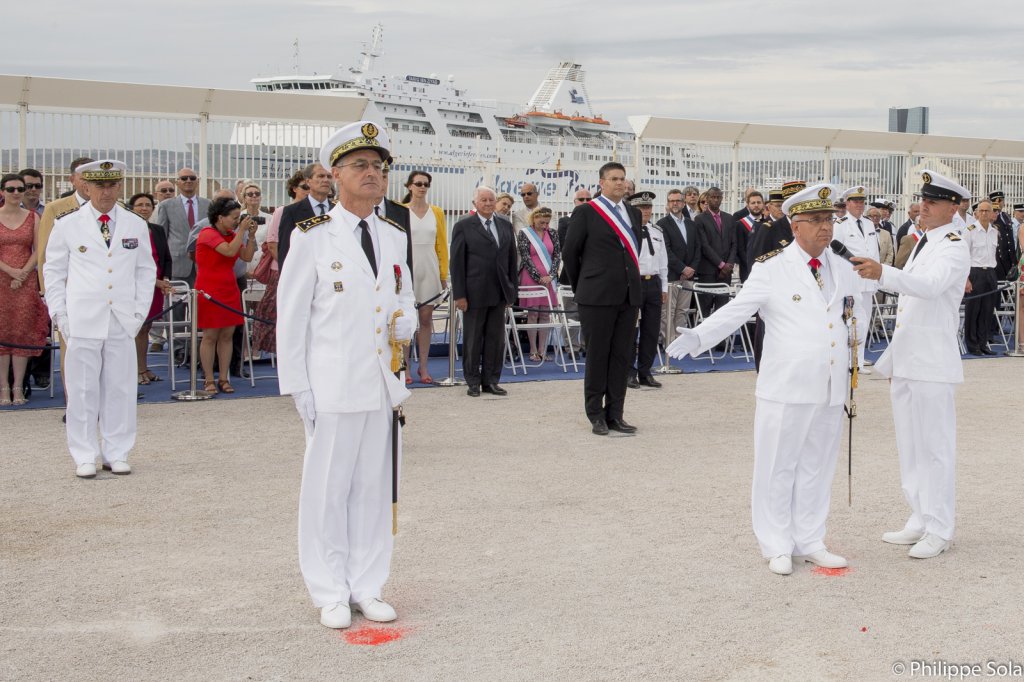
(864, 629)
(367, 636)
(821, 570)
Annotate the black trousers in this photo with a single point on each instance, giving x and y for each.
(980, 313)
(650, 325)
(483, 344)
(608, 332)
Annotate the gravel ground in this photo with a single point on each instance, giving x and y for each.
(527, 549)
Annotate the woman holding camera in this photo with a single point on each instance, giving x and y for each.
(217, 248)
(251, 197)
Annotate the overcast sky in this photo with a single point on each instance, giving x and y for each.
(787, 61)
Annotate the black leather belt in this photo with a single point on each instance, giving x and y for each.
(646, 277)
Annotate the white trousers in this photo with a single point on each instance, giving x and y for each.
(925, 416)
(345, 537)
(795, 452)
(100, 377)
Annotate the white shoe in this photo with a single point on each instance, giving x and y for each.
(87, 470)
(376, 610)
(119, 467)
(337, 616)
(865, 370)
(903, 537)
(825, 559)
(868, 363)
(781, 565)
(929, 546)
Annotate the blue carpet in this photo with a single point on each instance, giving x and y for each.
(266, 377)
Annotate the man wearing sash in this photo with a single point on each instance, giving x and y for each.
(807, 297)
(600, 256)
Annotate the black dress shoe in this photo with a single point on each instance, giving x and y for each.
(620, 426)
(600, 427)
(632, 383)
(650, 382)
(42, 382)
(473, 391)
(973, 351)
(985, 350)
(495, 389)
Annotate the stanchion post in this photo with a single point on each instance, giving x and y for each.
(1018, 332)
(453, 335)
(667, 368)
(192, 393)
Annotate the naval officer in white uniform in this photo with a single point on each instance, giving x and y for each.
(100, 274)
(806, 296)
(860, 236)
(923, 361)
(346, 278)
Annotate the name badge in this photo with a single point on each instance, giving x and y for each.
(130, 243)
(338, 287)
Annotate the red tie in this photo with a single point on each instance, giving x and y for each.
(814, 263)
(718, 220)
(104, 228)
(191, 214)
(816, 271)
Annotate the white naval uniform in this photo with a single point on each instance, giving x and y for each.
(332, 339)
(801, 388)
(923, 360)
(656, 264)
(105, 293)
(866, 245)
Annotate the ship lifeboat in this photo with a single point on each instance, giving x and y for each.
(590, 124)
(548, 119)
(516, 122)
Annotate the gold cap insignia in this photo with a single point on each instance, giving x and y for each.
(335, 265)
(824, 192)
(106, 165)
(927, 177)
(860, 190)
(369, 130)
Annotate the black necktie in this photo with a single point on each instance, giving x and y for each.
(367, 242)
(492, 231)
(647, 236)
(321, 207)
(860, 228)
(920, 245)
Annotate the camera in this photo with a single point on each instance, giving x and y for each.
(258, 219)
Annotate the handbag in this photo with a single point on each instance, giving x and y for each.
(262, 272)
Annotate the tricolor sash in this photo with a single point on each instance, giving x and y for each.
(748, 222)
(542, 251)
(621, 229)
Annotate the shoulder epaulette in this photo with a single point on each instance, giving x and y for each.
(953, 236)
(843, 218)
(389, 221)
(969, 227)
(67, 212)
(770, 254)
(309, 223)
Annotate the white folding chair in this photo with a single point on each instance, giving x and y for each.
(177, 322)
(718, 289)
(542, 296)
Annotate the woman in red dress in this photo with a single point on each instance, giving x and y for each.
(217, 249)
(23, 319)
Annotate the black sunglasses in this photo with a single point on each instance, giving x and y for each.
(583, 199)
(421, 184)
(187, 178)
(304, 188)
(526, 194)
(33, 185)
(14, 190)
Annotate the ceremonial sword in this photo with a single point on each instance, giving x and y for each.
(397, 415)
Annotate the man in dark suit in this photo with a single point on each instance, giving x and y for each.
(483, 272)
(718, 258)
(582, 196)
(396, 213)
(683, 248)
(1005, 251)
(317, 203)
(912, 212)
(747, 227)
(601, 260)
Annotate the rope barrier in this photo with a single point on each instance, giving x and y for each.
(434, 298)
(211, 299)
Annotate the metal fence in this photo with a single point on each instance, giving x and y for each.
(227, 135)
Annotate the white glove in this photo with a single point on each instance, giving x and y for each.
(404, 328)
(61, 322)
(306, 407)
(685, 344)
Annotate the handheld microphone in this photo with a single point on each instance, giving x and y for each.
(840, 250)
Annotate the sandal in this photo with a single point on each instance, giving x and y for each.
(426, 379)
(535, 357)
(210, 386)
(408, 379)
(225, 386)
(5, 396)
(19, 396)
(143, 379)
(152, 377)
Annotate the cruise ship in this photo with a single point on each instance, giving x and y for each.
(555, 140)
